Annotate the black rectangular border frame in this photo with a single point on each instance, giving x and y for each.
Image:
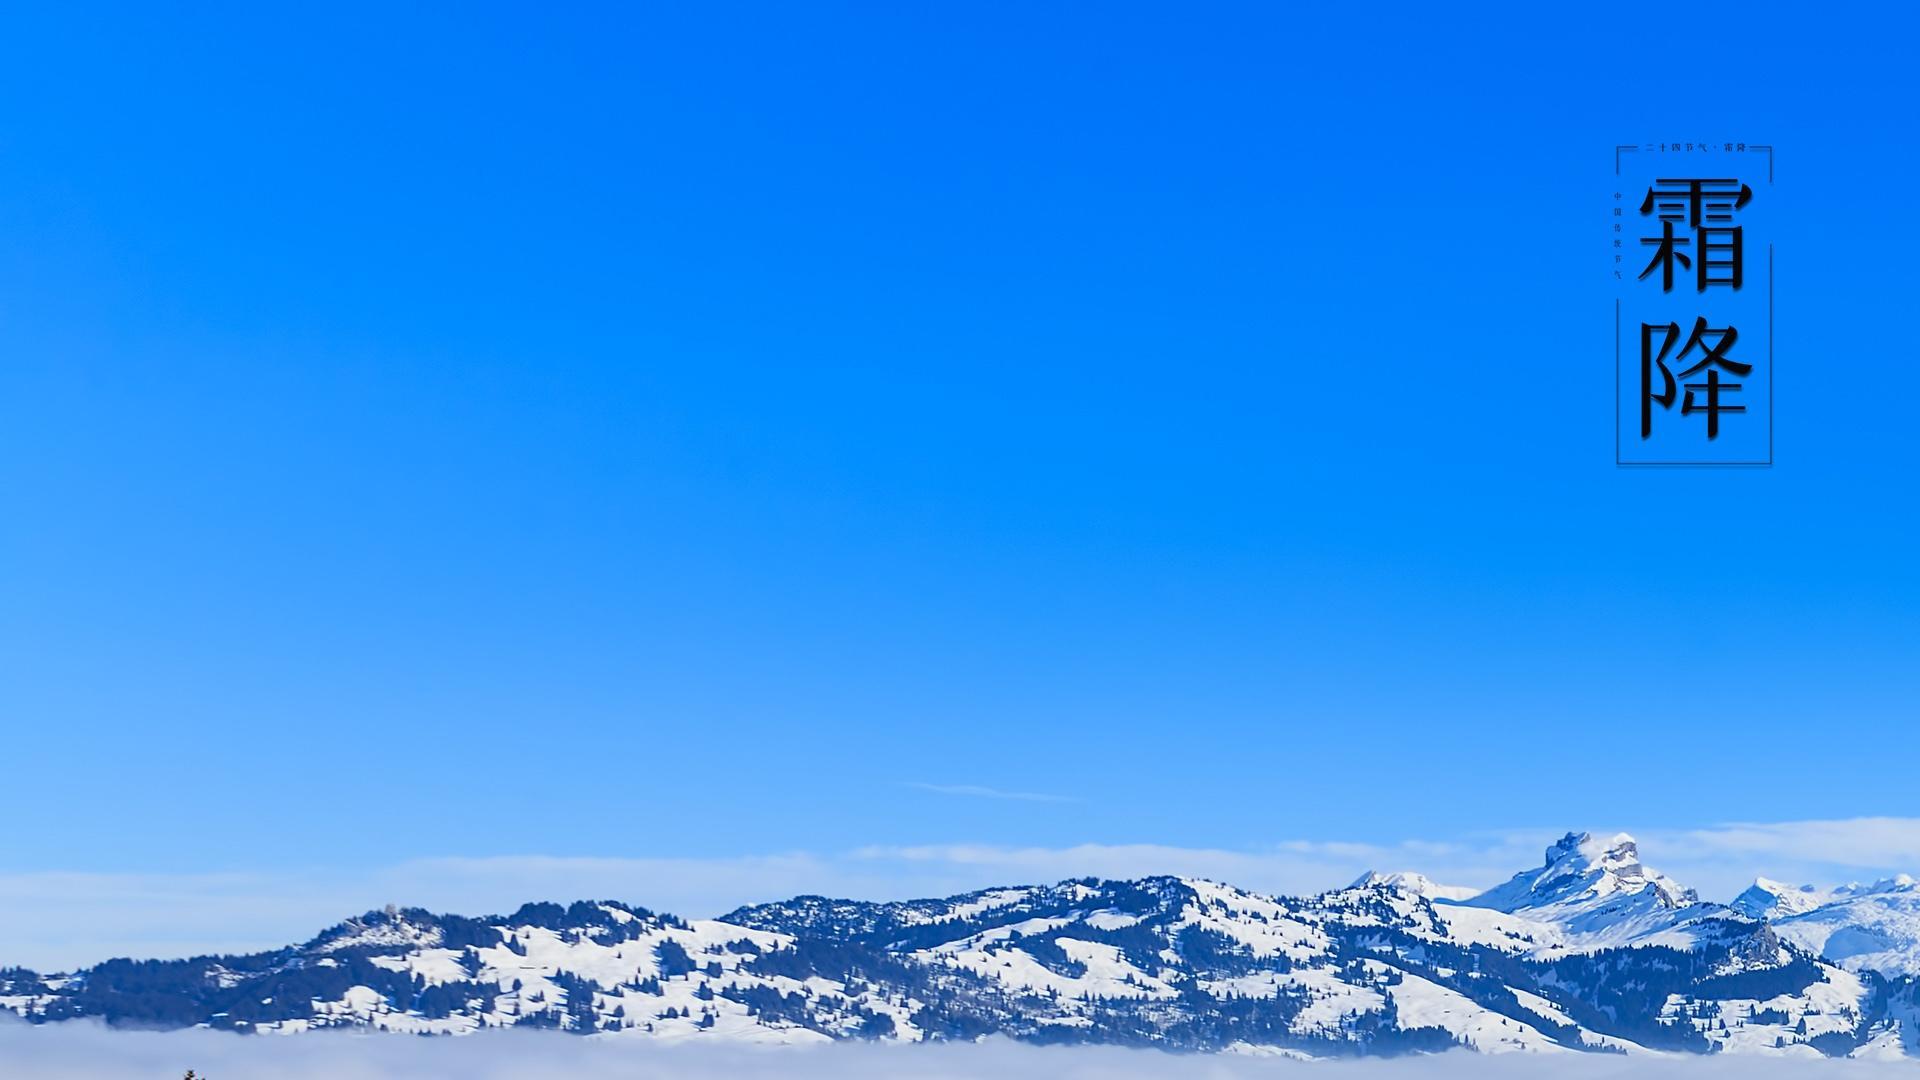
(1772, 370)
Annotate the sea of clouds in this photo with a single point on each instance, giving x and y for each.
(91, 1051)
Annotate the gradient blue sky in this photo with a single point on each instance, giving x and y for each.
(738, 429)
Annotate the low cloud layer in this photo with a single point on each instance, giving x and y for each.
(86, 1050)
(60, 920)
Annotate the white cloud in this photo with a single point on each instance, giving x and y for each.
(73, 919)
(1295, 867)
(1722, 859)
(1863, 843)
(59, 920)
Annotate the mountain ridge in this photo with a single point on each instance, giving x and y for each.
(1588, 951)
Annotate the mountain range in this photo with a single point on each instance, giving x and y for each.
(1590, 951)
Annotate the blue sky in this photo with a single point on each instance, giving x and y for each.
(743, 430)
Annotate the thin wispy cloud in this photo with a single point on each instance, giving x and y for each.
(980, 791)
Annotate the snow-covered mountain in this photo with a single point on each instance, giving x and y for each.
(1597, 894)
(1418, 884)
(1874, 927)
(1769, 899)
(1590, 951)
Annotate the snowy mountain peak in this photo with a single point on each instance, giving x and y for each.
(1768, 899)
(392, 927)
(1598, 893)
(1618, 854)
(1896, 883)
(1578, 865)
(1417, 884)
(1861, 927)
